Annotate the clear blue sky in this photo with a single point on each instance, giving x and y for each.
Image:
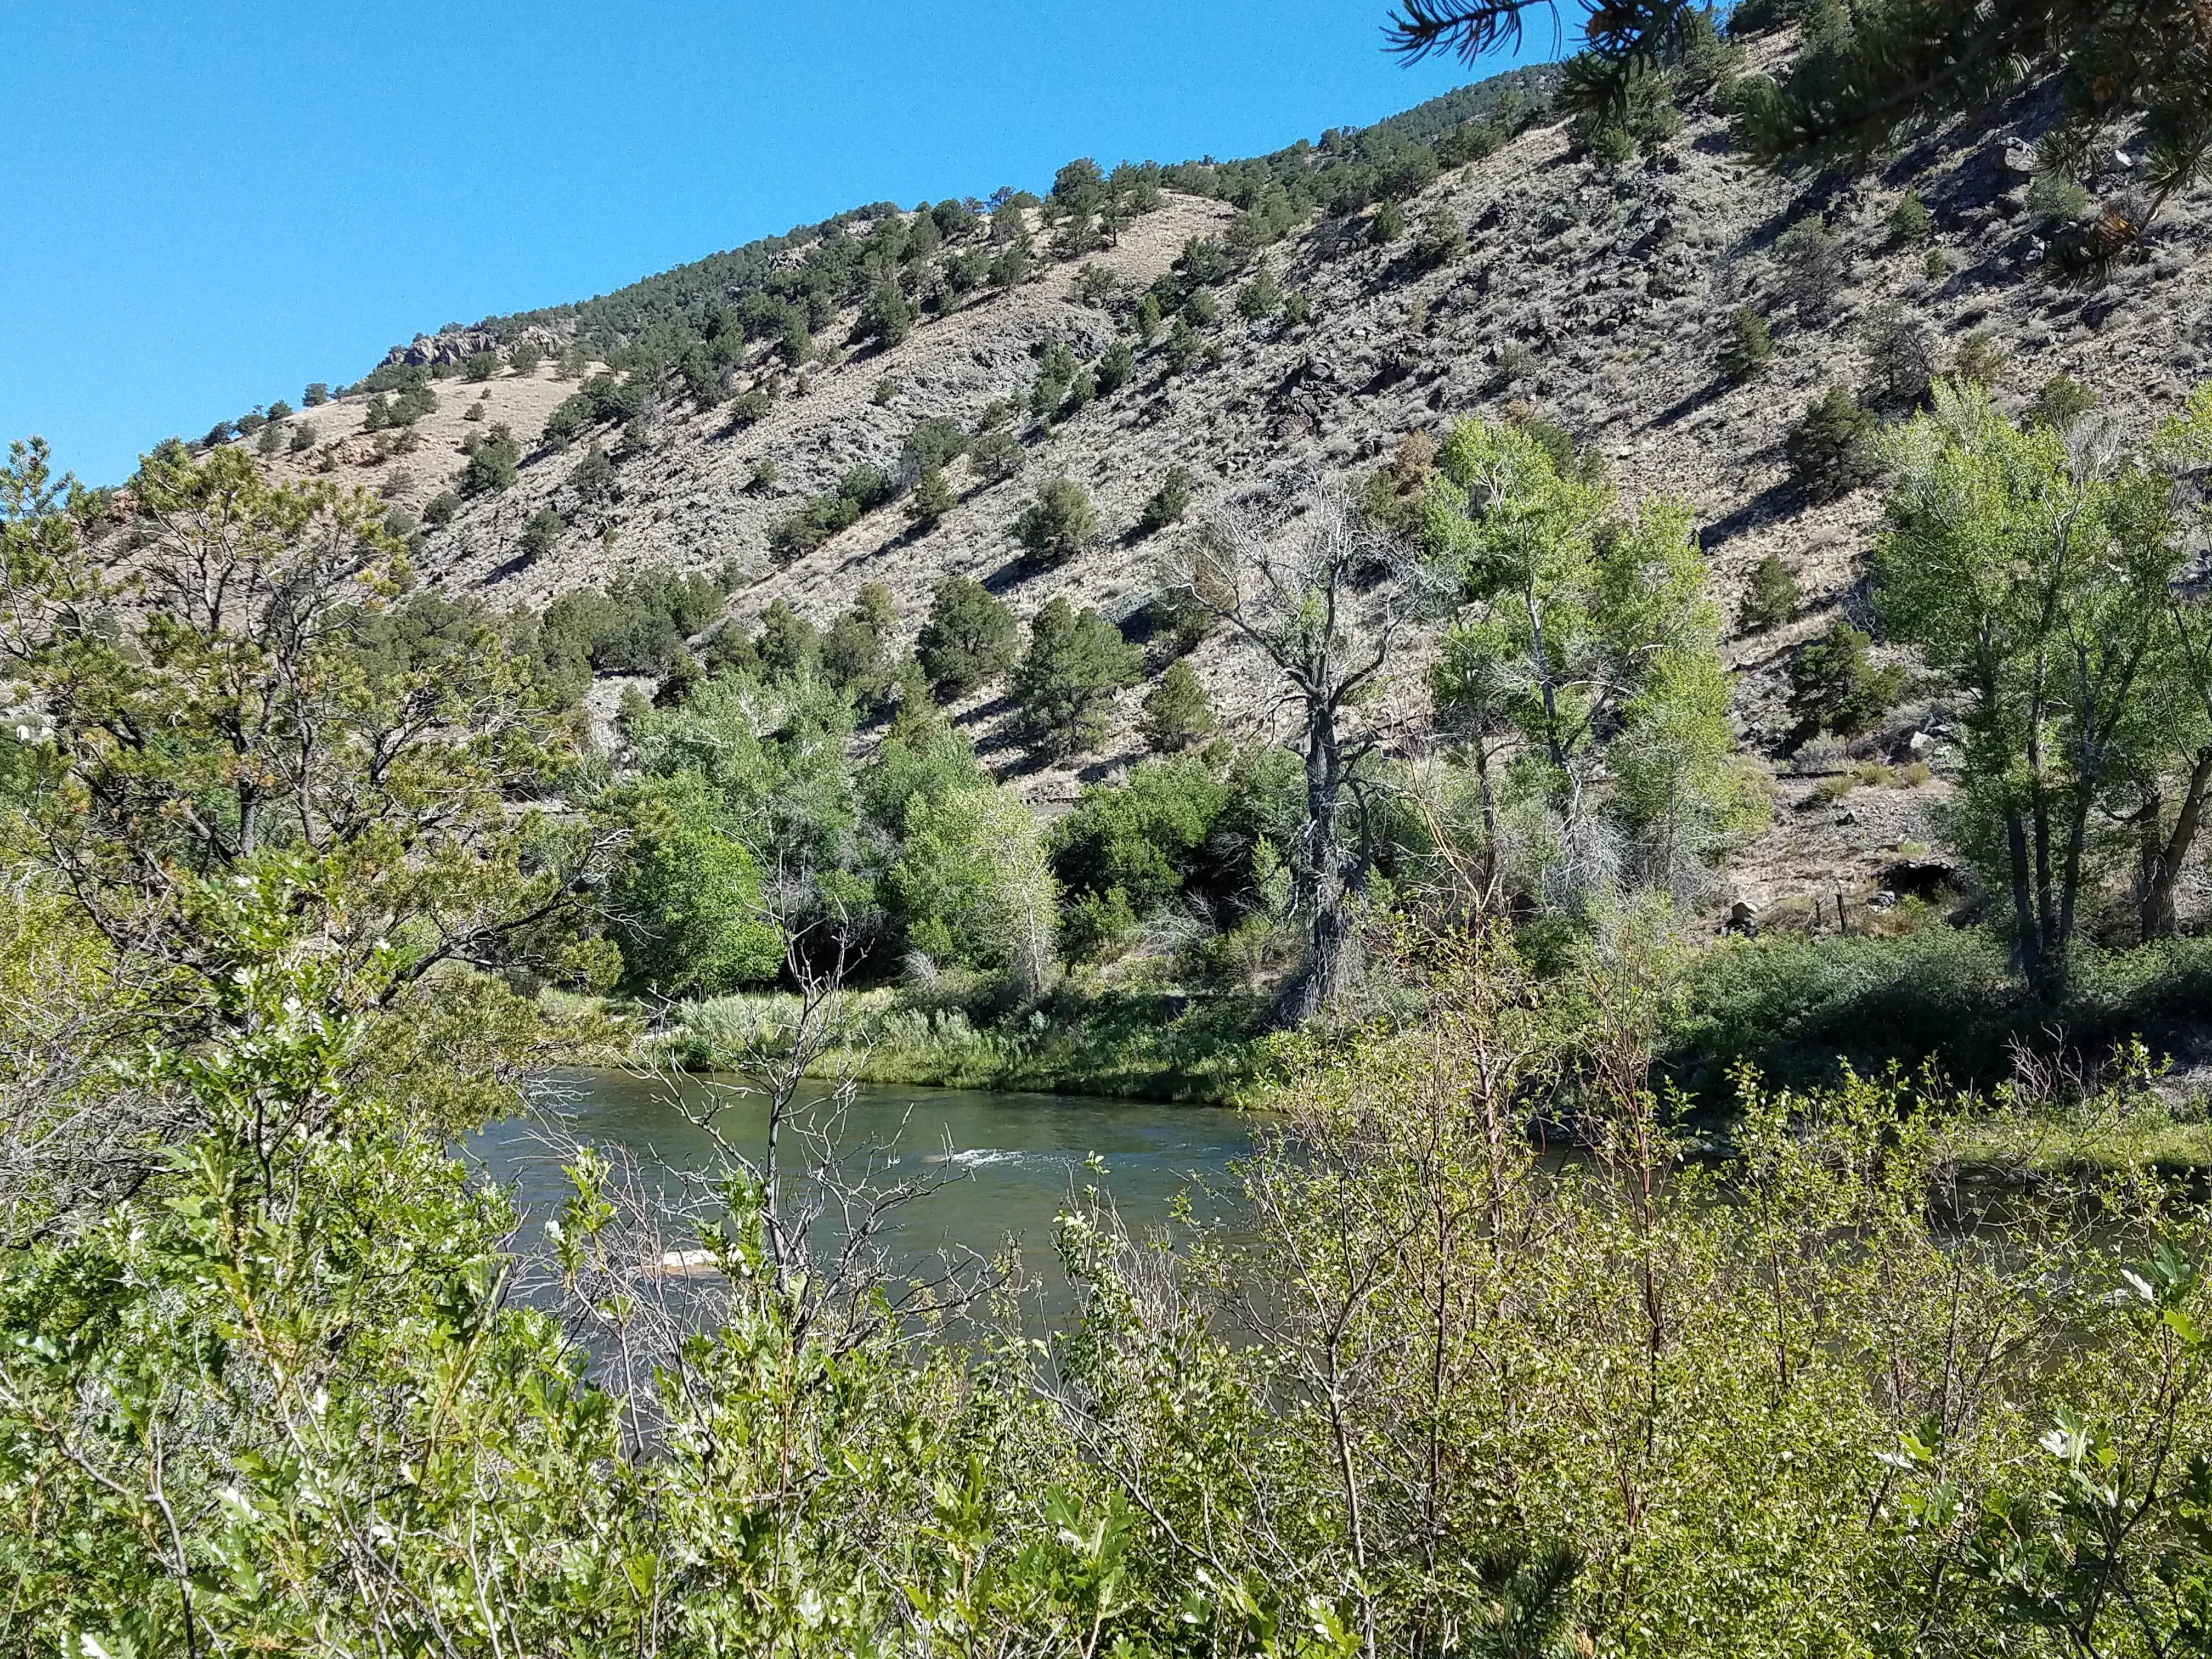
(214, 203)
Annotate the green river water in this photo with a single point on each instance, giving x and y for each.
(1000, 1167)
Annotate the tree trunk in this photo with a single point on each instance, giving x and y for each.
(2028, 942)
(1324, 879)
(2163, 857)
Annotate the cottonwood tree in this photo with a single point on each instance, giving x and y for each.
(2038, 574)
(1325, 601)
(1582, 672)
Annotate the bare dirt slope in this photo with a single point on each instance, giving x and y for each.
(1620, 284)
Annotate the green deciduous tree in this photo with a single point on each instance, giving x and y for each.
(2039, 578)
(971, 884)
(685, 899)
(1584, 667)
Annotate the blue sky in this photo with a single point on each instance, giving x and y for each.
(214, 204)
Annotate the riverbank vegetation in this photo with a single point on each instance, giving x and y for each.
(1595, 1285)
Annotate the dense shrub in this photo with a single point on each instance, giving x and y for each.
(1066, 684)
(636, 625)
(1058, 523)
(968, 639)
(2060, 402)
(685, 895)
(1145, 838)
(1830, 450)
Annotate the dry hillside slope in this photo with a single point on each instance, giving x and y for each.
(1620, 284)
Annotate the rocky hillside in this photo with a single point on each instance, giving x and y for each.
(1599, 296)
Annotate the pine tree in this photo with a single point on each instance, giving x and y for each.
(1065, 686)
(968, 639)
(1177, 712)
(1771, 599)
(932, 498)
(1057, 526)
(1749, 347)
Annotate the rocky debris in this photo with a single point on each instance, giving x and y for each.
(458, 345)
(1619, 286)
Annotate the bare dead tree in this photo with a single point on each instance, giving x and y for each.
(1327, 602)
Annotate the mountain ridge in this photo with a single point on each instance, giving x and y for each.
(1599, 296)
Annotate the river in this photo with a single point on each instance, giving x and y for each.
(1000, 1167)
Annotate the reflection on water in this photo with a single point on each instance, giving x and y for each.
(1008, 1162)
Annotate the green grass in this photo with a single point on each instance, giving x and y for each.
(1077, 1041)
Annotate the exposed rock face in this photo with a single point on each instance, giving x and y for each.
(1606, 294)
(458, 345)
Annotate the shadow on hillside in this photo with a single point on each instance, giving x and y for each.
(1776, 501)
(1704, 397)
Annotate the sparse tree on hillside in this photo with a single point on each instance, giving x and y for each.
(1064, 685)
(1749, 346)
(1832, 450)
(968, 639)
(593, 479)
(1770, 597)
(494, 461)
(1166, 505)
(1059, 523)
(888, 316)
(932, 498)
(1177, 712)
(542, 534)
(1834, 686)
